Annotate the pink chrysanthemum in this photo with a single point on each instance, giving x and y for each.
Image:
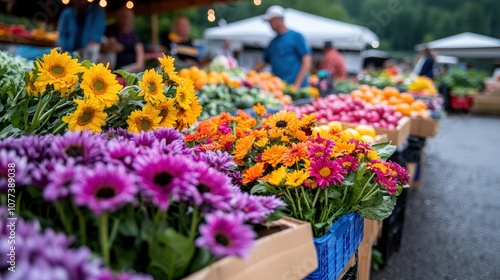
(327, 172)
(349, 163)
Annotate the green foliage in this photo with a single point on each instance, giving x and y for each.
(463, 81)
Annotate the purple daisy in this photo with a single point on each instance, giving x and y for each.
(214, 187)
(40, 172)
(226, 235)
(105, 188)
(82, 146)
(165, 177)
(121, 152)
(14, 167)
(327, 172)
(167, 134)
(177, 147)
(251, 207)
(219, 160)
(62, 179)
(236, 178)
(35, 147)
(348, 162)
(119, 133)
(271, 203)
(144, 140)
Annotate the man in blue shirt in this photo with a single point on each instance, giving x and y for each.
(288, 53)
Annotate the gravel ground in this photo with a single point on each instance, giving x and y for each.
(452, 226)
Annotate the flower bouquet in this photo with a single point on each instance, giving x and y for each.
(61, 93)
(143, 202)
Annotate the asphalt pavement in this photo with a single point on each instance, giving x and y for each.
(452, 225)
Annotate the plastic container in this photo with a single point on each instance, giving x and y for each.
(336, 248)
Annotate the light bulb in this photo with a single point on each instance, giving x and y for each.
(129, 5)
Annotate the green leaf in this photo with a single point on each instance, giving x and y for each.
(385, 150)
(381, 211)
(130, 78)
(258, 189)
(200, 260)
(374, 201)
(171, 252)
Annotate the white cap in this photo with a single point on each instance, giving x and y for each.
(274, 12)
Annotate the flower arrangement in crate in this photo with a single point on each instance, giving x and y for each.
(61, 93)
(143, 202)
(319, 178)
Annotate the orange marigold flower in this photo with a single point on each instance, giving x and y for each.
(274, 154)
(343, 148)
(259, 109)
(243, 145)
(253, 173)
(295, 153)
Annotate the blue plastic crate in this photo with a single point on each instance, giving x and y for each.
(336, 248)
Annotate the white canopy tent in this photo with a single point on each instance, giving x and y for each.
(255, 32)
(466, 45)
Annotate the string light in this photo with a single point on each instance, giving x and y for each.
(257, 2)
(129, 4)
(65, 2)
(103, 3)
(90, 1)
(211, 17)
(211, 12)
(375, 44)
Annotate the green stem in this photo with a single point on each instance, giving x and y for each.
(305, 197)
(61, 126)
(289, 196)
(370, 193)
(81, 223)
(66, 223)
(299, 204)
(194, 224)
(16, 97)
(363, 189)
(103, 237)
(316, 198)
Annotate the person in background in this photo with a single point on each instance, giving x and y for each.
(425, 65)
(122, 40)
(288, 53)
(405, 65)
(179, 43)
(81, 28)
(333, 62)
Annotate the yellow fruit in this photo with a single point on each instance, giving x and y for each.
(367, 139)
(353, 133)
(335, 126)
(367, 130)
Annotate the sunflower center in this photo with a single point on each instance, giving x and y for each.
(86, 117)
(281, 124)
(105, 192)
(163, 114)
(99, 85)
(202, 188)
(162, 179)
(145, 124)
(222, 239)
(75, 151)
(152, 87)
(325, 172)
(57, 70)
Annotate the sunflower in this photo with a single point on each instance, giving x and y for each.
(167, 64)
(168, 113)
(152, 87)
(187, 117)
(275, 133)
(98, 82)
(284, 120)
(70, 86)
(307, 120)
(32, 89)
(274, 155)
(185, 94)
(277, 176)
(147, 119)
(253, 173)
(57, 69)
(297, 178)
(89, 114)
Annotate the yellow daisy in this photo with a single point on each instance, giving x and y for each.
(168, 113)
(284, 120)
(89, 114)
(187, 117)
(146, 119)
(98, 82)
(167, 64)
(185, 94)
(277, 176)
(152, 87)
(56, 69)
(297, 178)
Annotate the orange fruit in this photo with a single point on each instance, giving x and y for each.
(404, 109)
(407, 98)
(418, 105)
(184, 73)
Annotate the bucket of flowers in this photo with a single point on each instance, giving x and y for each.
(331, 182)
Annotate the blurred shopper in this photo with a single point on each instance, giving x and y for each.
(333, 62)
(425, 65)
(81, 28)
(288, 53)
(405, 65)
(179, 43)
(124, 42)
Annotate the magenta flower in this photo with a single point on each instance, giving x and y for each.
(62, 179)
(386, 180)
(251, 207)
(271, 203)
(144, 139)
(219, 160)
(166, 177)
(327, 172)
(82, 146)
(105, 188)
(224, 129)
(214, 187)
(121, 152)
(320, 148)
(167, 134)
(119, 133)
(174, 148)
(348, 162)
(226, 235)
(401, 172)
(14, 166)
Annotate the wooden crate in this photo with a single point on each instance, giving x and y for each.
(373, 230)
(424, 127)
(397, 136)
(486, 104)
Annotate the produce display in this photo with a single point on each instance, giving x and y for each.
(462, 82)
(270, 83)
(201, 78)
(362, 132)
(16, 32)
(346, 108)
(216, 99)
(422, 86)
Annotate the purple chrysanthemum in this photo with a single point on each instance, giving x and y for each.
(144, 140)
(167, 134)
(164, 177)
(41, 172)
(82, 146)
(219, 160)
(119, 133)
(236, 178)
(61, 181)
(271, 203)
(226, 235)
(348, 162)
(120, 151)
(214, 187)
(177, 147)
(326, 172)
(13, 167)
(251, 207)
(35, 147)
(105, 188)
